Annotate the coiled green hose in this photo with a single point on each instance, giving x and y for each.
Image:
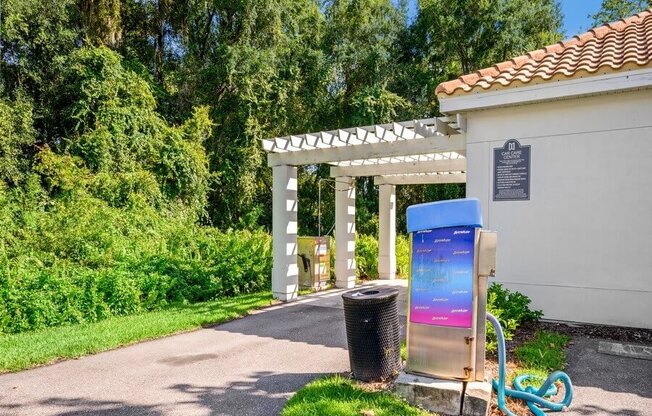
(533, 398)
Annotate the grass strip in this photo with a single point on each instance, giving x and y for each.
(339, 396)
(541, 355)
(30, 349)
(545, 351)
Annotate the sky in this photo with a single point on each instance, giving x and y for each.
(576, 14)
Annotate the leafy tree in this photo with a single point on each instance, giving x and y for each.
(417, 194)
(17, 135)
(362, 41)
(263, 76)
(452, 37)
(34, 35)
(309, 201)
(251, 69)
(101, 20)
(467, 35)
(612, 10)
(109, 122)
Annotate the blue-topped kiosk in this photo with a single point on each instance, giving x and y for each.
(451, 259)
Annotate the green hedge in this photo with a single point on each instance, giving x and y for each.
(34, 296)
(80, 260)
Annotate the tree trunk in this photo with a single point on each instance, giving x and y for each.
(160, 40)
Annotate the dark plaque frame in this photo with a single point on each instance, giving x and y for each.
(512, 164)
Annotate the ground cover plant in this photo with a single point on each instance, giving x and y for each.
(340, 396)
(29, 349)
(531, 350)
(535, 354)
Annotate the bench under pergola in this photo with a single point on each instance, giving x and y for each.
(422, 151)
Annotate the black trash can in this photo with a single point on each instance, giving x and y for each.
(373, 333)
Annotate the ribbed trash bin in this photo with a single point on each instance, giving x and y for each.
(373, 333)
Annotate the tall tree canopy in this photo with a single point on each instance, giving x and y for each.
(165, 101)
(467, 35)
(612, 10)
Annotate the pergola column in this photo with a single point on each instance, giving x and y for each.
(285, 273)
(344, 232)
(387, 232)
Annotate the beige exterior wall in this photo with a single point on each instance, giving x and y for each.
(581, 247)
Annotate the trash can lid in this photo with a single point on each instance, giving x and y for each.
(370, 294)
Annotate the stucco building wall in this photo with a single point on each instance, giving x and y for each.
(581, 247)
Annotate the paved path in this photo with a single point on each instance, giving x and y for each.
(606, 385)
(250, 366)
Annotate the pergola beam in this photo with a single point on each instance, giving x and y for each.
(420, 179)
(423, 166)
(409, 152)
(433, 144)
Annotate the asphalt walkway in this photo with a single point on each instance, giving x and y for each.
(249, 366)
(606, 385)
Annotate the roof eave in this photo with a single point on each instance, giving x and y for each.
(548, 91)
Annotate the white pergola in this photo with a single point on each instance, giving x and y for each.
(411, 152)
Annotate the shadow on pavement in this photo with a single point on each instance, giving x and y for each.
(607, 384)
(309, 324)
(298, 323)
(79, 407)
(591, 409)
(265, 395)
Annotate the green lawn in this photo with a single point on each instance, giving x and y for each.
(29, 349)
(540, 356)
(545, 351)
(338, 396)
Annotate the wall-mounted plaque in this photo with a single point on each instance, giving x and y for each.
(512, 172)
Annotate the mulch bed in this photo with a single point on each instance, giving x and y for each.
(614, 333)
(526, 332)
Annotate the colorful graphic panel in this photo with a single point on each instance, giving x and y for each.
(441, 286)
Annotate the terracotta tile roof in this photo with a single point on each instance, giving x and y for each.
(622, 45)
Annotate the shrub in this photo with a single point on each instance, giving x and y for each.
(511, 309)
(403, 256)
(366, 256)
(81, 260)
(102, 218)
(513, 305)
(16, 135)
